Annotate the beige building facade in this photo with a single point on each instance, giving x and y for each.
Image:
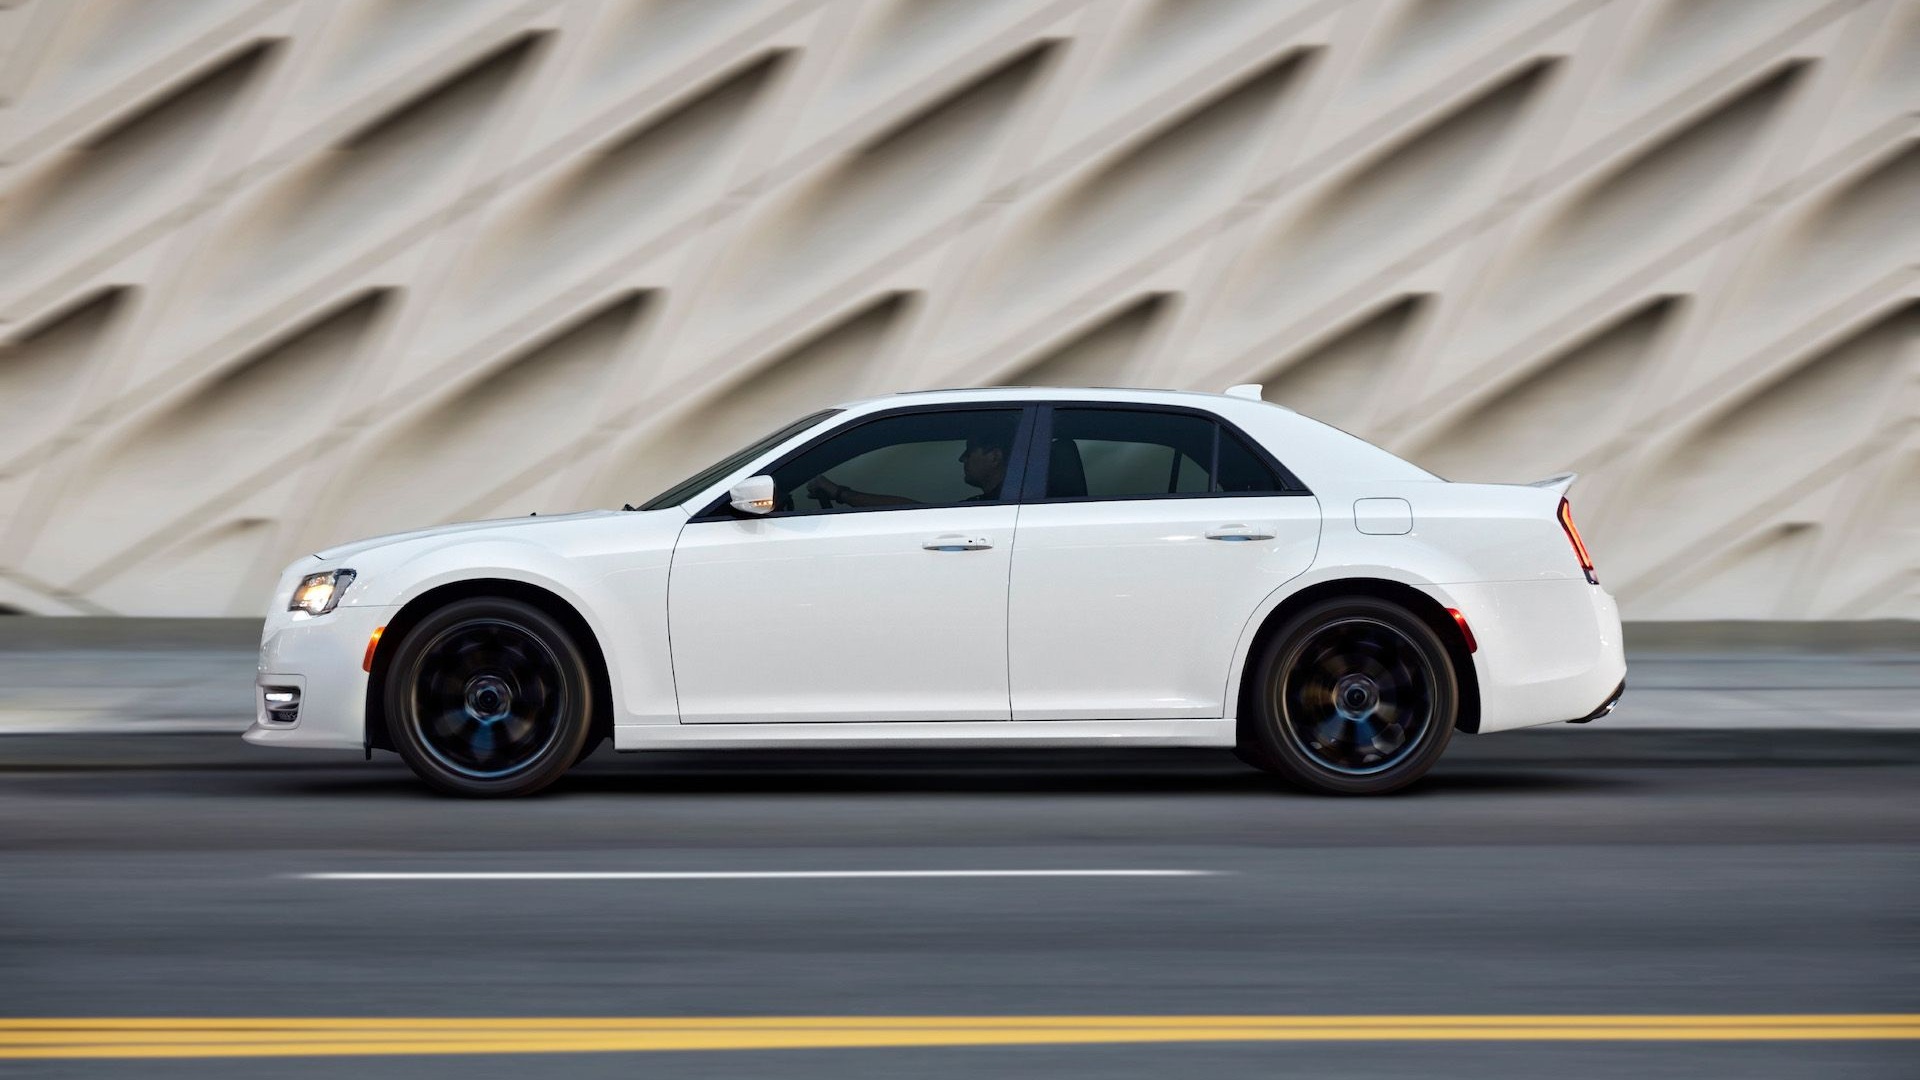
(276, 273)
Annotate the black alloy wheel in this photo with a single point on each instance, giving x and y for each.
(1353, 696)
(489, 697)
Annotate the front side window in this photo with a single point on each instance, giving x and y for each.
(913, 459)
(1126, 453)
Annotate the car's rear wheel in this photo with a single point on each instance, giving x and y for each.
(1353, 696)
(489, 697)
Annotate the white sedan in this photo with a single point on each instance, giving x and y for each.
(1011, 567)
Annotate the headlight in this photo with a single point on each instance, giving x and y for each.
(319, 592)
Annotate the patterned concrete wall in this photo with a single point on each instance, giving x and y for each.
(278, 272)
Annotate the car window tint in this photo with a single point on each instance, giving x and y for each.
(1240, 469)
(1115, 453)
(924, 458)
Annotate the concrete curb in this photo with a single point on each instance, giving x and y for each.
(1866, 635)
(29, 633)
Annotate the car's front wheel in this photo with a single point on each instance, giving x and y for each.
(489, 697)
(1353, 696)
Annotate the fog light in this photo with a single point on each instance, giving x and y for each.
(283, 703)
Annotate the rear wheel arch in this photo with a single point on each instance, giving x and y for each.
(1424, 606)
(409, 616)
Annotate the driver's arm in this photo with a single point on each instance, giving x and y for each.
(822, 488)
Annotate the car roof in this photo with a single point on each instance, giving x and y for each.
(1138, 395)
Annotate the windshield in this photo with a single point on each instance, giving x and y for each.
(705, 478)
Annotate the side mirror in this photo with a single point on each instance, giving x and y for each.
(754, 495)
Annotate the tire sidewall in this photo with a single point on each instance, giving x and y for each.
(575, 719)
(1274, 749)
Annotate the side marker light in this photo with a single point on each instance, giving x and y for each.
(1465, 630)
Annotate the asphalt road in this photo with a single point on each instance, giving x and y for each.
(1563, 872)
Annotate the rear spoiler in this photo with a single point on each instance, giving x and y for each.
(1558, 483)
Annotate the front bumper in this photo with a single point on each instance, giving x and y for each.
(318, 657)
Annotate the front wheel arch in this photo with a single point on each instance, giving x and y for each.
(377, 737)
(1419, 603)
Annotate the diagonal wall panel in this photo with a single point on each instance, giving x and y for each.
(504, 252)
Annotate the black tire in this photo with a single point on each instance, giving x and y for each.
(588, 747)
(1353, 696)
(489, 697)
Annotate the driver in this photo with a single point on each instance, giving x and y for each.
(983, 465)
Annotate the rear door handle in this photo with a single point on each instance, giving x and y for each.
(956, 542)
(1237, 533)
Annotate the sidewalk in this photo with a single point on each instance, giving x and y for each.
(159, 676)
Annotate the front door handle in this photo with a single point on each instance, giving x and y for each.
(1233, 533)
(956, 542)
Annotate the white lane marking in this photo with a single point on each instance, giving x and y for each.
(717, 875)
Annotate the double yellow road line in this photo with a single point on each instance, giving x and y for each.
(313, 1036)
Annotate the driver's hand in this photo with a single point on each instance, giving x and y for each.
(822, 488)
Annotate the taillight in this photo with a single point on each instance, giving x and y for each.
(1579, 546)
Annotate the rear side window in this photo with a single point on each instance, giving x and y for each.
(1240, 469)
(1125, 453)
(1111, 454)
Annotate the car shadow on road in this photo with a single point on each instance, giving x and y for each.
(1067, 773)
(1519, 779)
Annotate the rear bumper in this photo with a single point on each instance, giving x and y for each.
(1549, 650)
(320, 658)
(1606, 708)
